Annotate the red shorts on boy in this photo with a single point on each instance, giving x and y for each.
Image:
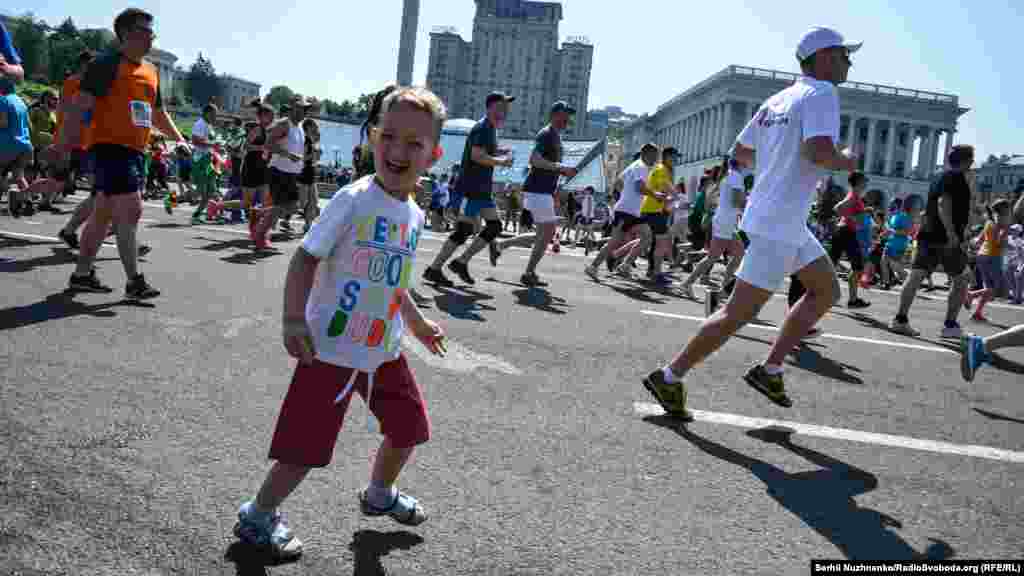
(310, 420)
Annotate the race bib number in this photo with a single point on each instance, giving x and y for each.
(142, 114)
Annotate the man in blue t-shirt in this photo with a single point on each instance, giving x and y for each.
(15, 138)
(475, 185)
(540, 190)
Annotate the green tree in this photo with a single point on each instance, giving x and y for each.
(279, 96)
(29, 36)
(203, 85)
(65, 43)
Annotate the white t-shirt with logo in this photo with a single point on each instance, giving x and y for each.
(366, 243)
(780, 202)
(724, 223)
(630, 200)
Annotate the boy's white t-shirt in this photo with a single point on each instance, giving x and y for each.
(366, 243)
(780, 202)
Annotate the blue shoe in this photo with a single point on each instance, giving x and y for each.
(268, 533)
(973, 355)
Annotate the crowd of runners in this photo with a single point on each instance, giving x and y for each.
(348, 294)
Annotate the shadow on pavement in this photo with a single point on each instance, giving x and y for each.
(252, 561)
(169, 225)
(540, 299)
(806, 357)
(369, 546)
(464, 304)
(822, 498)
(218, 245)
(873, 323)
(59, 306)
(251, 257)
(996, 416)
(59, 257)
(811, 360)
(1002, 363)
(641, 293)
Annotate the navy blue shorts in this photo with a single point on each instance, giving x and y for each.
(118, 170)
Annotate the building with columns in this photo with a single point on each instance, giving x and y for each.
(164, 63)
(901, 134)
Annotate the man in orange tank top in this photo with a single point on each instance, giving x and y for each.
(122, 92)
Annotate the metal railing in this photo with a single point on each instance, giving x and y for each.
(735, 70)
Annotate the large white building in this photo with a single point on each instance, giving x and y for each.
(164, 63)
(901, 134)
(237, 93)
(1001, 176)
(515, 50)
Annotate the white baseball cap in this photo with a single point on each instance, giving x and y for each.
(819, 38)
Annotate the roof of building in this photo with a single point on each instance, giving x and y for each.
(881, 89)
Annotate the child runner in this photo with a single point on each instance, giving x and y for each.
(343, 319)
(990, 257)
(203, 172)
(901, 224)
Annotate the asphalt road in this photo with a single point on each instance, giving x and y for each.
(132, 433)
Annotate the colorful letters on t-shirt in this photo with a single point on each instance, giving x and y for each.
(381, 264)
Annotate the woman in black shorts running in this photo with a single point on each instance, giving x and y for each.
(254, 165)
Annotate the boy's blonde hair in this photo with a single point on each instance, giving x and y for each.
(423, 100)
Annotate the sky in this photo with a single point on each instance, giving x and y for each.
(645, 51)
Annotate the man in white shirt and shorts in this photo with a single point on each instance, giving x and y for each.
(794, 134)
(627, 210)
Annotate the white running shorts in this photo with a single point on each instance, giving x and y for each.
(768, 262)
(541, 206)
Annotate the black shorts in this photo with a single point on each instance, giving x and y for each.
(658, 222)
(626, 220)
(254, 172)
(284, 187)
(308, 176)
(844, 241)
(929, 255)
(119, 169)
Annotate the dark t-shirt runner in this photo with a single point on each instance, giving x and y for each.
(476, 180)
(954, 184)
(549, 145)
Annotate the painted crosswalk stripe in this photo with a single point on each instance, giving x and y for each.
(974, 451)
(889, 343)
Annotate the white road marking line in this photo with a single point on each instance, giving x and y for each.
(459, 358)
(33, 222)
(47, 238)
(975, 451)
(823, 335)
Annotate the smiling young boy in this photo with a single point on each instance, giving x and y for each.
(346, 307)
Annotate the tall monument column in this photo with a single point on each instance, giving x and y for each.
(407, 41)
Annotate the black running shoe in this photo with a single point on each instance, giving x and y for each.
(531, 280)
(858, 303)
(437, 277)
(88, 283)
(69, 238)
(462, 271)
(494, 252)
(145, 249)
(611, 263)
(139, 289)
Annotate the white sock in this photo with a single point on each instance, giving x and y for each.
(773, 369)
(670, 376)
